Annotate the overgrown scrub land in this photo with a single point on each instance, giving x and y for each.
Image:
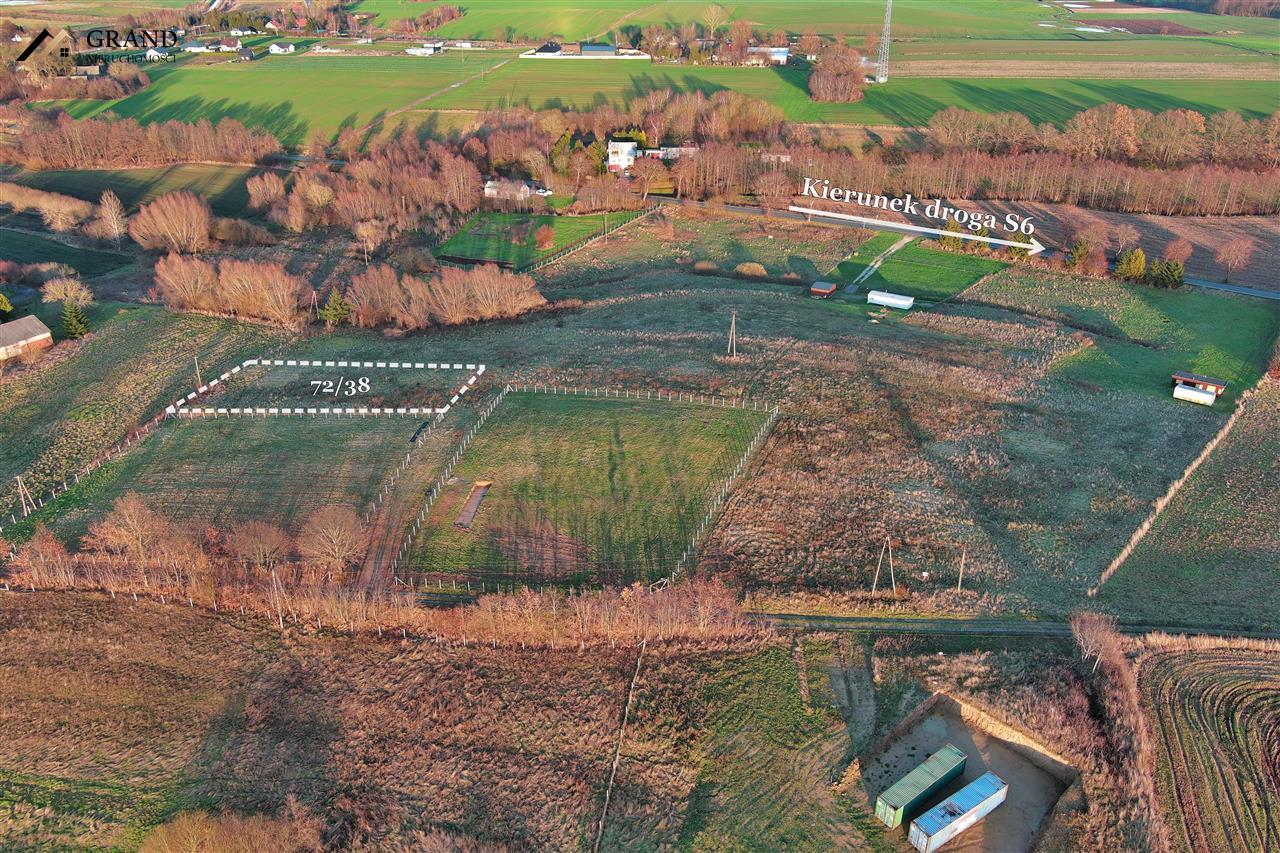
(108, 708)
(389, 743)
(23, 248)
(222, 186)
(1212, 554)
(584, 488)
(74, 403)
(1216, 715)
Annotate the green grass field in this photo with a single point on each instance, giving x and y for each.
(928, 274)
(584, 489)
(32, 249)
(219, 472)
(508, 238)
(294, 96)
(1144, 334)
(1214, 551)
(901, 101)
(222, 186)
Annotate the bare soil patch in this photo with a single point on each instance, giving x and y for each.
(1099, 70)
(1146, 26)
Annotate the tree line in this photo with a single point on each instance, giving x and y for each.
(1168, 139)
(308, 578)
(61, 142)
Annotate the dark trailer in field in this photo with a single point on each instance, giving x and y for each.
(909, 793)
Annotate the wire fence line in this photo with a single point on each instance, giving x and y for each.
(436, 488)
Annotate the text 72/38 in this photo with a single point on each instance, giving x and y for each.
(340, 387)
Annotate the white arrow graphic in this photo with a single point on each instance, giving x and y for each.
(1035, 247)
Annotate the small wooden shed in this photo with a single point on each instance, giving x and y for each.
(24, 335)
(822, 289)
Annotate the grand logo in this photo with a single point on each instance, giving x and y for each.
(130, 39)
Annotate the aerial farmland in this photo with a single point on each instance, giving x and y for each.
(670, 425)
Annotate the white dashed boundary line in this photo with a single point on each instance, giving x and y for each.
(179, 407)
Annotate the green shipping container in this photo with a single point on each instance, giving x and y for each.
(909, 793)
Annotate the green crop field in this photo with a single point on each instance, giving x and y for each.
(546, 84)
(913, 19)
(929, 274)
(32, 249)
(222, 186)
(584, 488)
(294, 96)
(1213, 552)
(508, 238)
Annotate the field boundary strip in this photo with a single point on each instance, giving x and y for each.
(180, 408)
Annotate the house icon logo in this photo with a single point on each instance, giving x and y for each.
(46, 44)
(44, 36)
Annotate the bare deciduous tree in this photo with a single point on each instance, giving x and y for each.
(1235, 254)
(332, 540)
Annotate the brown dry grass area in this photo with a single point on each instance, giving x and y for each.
(871, 419)
(505, 746)
(1088, 70)
(104, 705)
(1144, 26)
(1055, 224)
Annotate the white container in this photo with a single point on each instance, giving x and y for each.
(958, 812)
(890, 300)
(1194, 395)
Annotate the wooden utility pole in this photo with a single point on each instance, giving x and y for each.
(960, 580)
(199, 381)
(892, 580)
(876, 579)
(733, 335)
(25, 497)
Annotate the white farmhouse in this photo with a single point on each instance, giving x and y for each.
(281, 48)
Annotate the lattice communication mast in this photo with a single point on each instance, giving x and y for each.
(882, 58)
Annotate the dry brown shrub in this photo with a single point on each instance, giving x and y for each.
(750, 269)
(294, 832)
(176, 222)
(264, 190)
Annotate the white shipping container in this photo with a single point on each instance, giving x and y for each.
(890, 300)
(958, 812)
(1194, 395)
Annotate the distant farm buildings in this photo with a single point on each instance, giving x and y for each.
(767, 55)
(822, 289)
(23, 336)
(281, 48)
(429, 48)
(583, 50)
(245, 54)
(1195, 388)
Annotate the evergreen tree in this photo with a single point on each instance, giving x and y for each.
(955, 244)
(75, 324)
(336, 310)
(1166, 274)
(1078, 255)
(1131, 265)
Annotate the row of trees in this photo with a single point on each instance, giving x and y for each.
(62, 142)
(306, 578)
(381, 297)
(438, 16)
(249, 289)
(1116, 132)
